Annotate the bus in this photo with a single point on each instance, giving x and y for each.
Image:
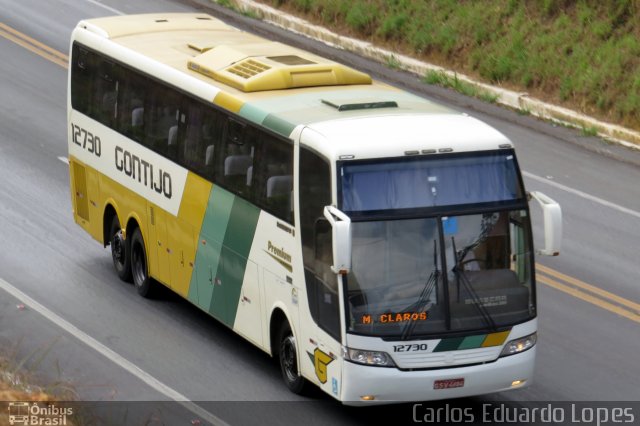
(377, 244)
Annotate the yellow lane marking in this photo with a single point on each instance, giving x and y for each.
(589, 298)
(589, 288)
(34, 45)
(34, 41)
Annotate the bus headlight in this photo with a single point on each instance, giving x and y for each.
(375, 358)
(517, 346)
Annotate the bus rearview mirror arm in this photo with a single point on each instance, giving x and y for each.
(552, 214)
(341, 233)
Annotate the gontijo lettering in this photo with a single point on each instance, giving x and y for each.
(142, 171)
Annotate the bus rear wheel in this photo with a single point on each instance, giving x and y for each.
(119, 251)
(288, 356)
(139, 267)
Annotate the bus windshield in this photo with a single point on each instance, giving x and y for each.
(429, 182)
(431, 271)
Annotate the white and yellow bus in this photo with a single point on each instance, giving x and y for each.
(378, 244)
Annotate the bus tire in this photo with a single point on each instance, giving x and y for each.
(139, 266)
(288, 357)
(119, 251)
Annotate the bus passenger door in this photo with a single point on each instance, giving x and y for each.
(324, 304)
(323, 345)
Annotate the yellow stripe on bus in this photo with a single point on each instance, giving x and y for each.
(228, 102)
(495, 339)
(194, 199)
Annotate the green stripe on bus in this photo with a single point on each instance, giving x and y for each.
(243, 220)
(472, 342)
(460, 343)
(449, 344)
(241, 227)
(218, 212)
(278, 125)
(212, 232)
(252, 113)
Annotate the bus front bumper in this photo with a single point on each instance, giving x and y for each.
(365, 385)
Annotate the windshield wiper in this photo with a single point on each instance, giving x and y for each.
(421, 304)
(461, 276)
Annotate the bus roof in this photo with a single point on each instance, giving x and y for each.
(370, 137)
(282, 88)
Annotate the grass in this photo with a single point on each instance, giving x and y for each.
(226, 3)
(524, 111)
(16, 377)
(230, 4)
(583, 54)
(19, 384)
(250, 14)
(440, 78)
(393, 62)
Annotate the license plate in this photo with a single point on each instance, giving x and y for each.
(448, 383)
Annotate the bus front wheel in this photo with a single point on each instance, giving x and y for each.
(288, 356)
(139, 268)
(119, 251)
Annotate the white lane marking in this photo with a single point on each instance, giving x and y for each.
(583, 194)
(113, 356)
(104, 6)
(65, 160)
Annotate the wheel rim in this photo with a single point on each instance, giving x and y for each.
(288, 358)
(117, 248)
(139, 266)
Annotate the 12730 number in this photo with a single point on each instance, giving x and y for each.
(86, 140)
(410, 348)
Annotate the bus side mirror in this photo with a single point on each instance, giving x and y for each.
(552, 215)
(341, 233)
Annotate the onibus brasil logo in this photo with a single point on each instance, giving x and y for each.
(32, 413)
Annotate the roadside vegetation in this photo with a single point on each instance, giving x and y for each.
(17, 384)
(583, 54)
(14, 386)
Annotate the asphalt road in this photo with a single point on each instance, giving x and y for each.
(588, 349)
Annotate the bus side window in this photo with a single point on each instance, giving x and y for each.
(237, 158)
(273, 177)
(212, 131)
(94, 86)
(81, 76)
(131, 112)
(191, 147)
(105, 94)
(200, 135)
(161, 113)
